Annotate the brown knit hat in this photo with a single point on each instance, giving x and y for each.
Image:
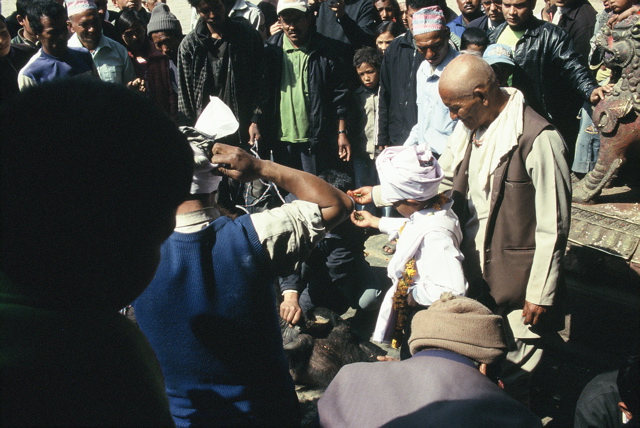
(461, 325)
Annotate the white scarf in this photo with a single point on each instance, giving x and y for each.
(497, 140)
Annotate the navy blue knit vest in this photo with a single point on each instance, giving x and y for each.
(211, 318)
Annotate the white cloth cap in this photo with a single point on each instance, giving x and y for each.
(77, 6)
(300, 5)
(408, 172)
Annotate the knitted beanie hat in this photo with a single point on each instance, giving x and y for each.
(461, 325)
(429, 19)
(163, 20)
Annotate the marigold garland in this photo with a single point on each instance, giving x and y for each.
(400, 301)
(400, 296)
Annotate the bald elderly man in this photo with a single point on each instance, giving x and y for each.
(512, 190)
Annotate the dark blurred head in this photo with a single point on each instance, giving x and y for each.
(86, 203)
(629, 385)
(474, 39)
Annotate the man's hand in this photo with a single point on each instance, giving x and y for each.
(236, 163)
(290, 310)
(532, 313)
(599, 93)
(137, 84)
(365, 219)
(254, 133)
(275, 28)
(337, 6)
(362, 195)
(344, 148)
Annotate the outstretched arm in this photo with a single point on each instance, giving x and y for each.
(334, 205)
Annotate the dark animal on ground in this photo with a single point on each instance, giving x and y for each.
(321, 344)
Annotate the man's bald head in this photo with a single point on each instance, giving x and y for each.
(469, 88)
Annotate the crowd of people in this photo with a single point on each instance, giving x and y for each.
(456, 135)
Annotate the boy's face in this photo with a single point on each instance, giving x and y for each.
(5, 40)
(369, 75)
(619, 6)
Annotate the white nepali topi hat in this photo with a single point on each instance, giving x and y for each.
(77, 6)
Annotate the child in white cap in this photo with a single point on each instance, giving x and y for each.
(428, 261)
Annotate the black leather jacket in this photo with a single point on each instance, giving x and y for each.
(549, 73)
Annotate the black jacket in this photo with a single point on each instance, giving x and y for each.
(579, 21)
(549, 74)
(356, 28)
(328, 90)
(398, 111)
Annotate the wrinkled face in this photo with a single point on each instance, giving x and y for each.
(434, 45)
(88, 26)
(468, 8)
(493, 10)
(467, 108)
(619, 6)
(369, 75)
(54, 36)
(384, 40)
(212, 12)
(517, 12)
(5, 40)
(295, 25)
(385, 9)
(134, 37)
(167, 43)
(128, 4)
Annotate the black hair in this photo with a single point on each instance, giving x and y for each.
(371, 56)
(39, 8)
(473, 36)
(340, 180)
(390, 27)
(104, 193)
(421, 4)
(628, 382)
(1, 17)
(22, 6)
(127, 19)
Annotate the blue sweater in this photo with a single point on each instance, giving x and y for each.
(211, 318)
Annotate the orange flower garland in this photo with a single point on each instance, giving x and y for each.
(400, 301)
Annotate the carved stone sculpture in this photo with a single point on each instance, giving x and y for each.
(616, 117)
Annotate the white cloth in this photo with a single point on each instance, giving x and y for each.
(408, 172)
(550, 175)
(433, 238)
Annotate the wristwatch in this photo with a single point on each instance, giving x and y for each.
(343, 131)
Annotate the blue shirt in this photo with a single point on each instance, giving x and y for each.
(43, 67)
(111, 60)
(434, 123)
(457, 26)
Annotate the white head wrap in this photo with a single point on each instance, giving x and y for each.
(408, 172)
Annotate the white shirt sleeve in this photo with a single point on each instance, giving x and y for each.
(550, 174)
(289, 233)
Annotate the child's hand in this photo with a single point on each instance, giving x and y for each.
(364, 219)
(362, 195)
